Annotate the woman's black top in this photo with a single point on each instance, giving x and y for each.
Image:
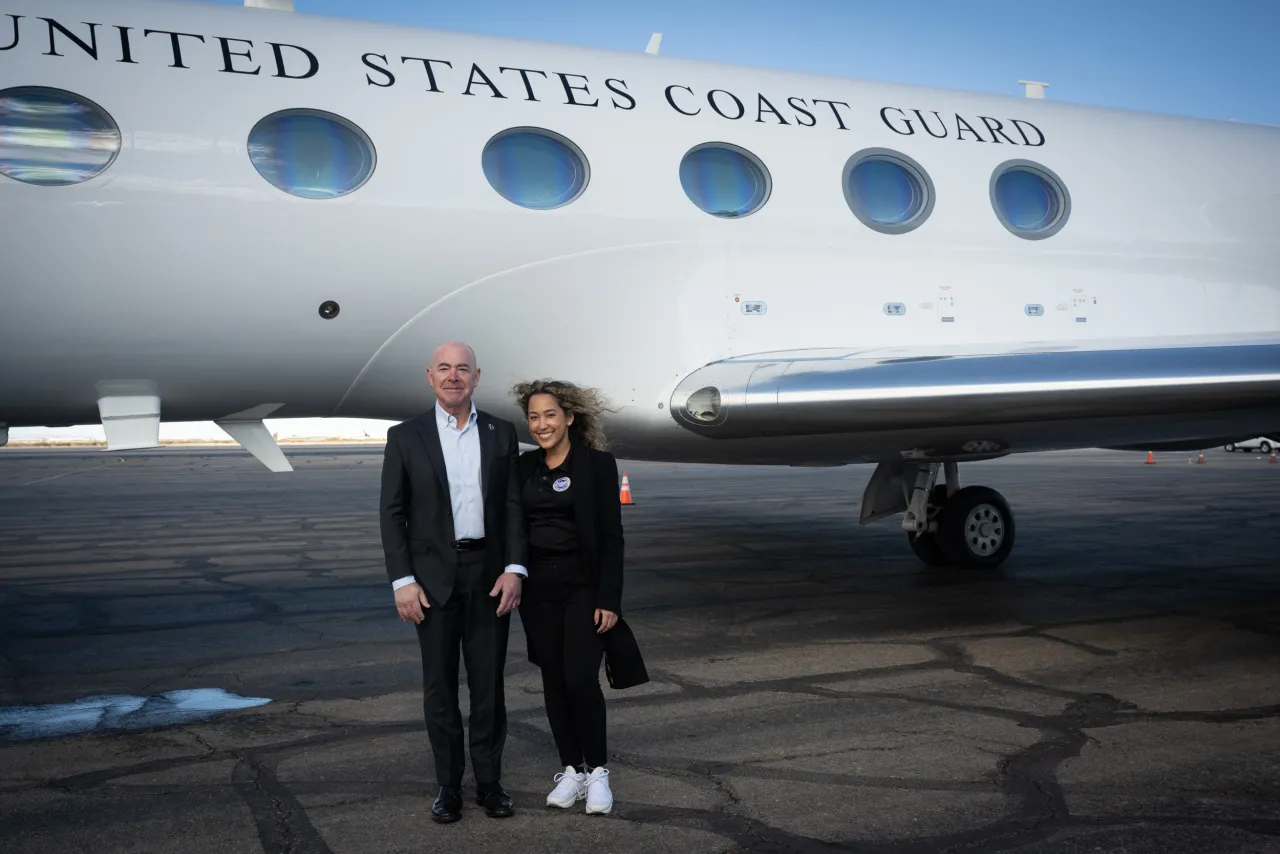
(553, 530)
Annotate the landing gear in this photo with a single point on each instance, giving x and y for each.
(971, 528)
(926, 544)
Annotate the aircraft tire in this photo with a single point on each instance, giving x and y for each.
(976, 528)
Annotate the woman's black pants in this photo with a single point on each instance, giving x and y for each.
(558, 619)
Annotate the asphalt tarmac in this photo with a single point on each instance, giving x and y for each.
(220, 668)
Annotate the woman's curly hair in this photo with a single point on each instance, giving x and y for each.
(585, 404)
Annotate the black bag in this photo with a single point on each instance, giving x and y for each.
(623, 664)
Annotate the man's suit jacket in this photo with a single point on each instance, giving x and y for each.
(417, 515)
(597, 514)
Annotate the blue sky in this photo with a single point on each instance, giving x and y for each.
(1217, 59)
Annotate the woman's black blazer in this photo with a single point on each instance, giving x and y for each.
(597, 513)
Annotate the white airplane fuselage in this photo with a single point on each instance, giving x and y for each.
(179, 268)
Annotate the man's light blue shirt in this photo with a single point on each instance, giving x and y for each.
(461, 450)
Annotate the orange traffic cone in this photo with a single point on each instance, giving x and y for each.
(1273, 457)
(1200, 461)
(1151, 458)
(625, 495)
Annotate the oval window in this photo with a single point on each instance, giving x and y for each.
(534, 168)
(311, 154)
(1029, 200)
(53, 138)
(887, 191)
(724, 180)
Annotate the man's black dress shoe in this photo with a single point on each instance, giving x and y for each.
(448, 805)
(496, 802)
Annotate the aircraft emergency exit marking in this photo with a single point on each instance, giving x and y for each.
(134, 45)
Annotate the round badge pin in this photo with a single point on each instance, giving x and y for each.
(561, 484)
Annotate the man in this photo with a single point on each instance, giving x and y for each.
(453, 535)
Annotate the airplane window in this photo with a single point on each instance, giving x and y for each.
(724, 180)
(1029, 200)
(889, 192)
(534, 168)
(311, 154)
(53, 138)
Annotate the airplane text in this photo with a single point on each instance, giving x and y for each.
(907, 122)
(136, 45)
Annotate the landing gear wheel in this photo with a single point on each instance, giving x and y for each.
(1265, 447)
(1230, 448)
(976, 529)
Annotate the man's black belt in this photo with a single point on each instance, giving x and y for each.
(468, 545)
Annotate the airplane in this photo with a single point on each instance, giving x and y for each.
(223, 213)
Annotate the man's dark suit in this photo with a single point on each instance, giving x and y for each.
(418, 539)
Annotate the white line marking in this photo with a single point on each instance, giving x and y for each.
(75, 471)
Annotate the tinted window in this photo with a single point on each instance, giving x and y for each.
(52, 138)
(1029, 200)
(887, 191)
(311, 154)
(724, 180)
(535, 168)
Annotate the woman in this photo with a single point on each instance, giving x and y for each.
(571, 605)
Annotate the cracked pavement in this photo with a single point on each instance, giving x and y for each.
(1114, 687)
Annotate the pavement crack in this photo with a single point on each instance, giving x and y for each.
(1075, 644)
(283, 825)
(748, 834)
(209, 749)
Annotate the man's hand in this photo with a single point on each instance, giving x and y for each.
(605, 620)
(509, 584)
(410, 600)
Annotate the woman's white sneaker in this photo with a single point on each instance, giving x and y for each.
(571, 787)
(599, 796)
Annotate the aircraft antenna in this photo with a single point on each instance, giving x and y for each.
(654, 41)
(1035, 89)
